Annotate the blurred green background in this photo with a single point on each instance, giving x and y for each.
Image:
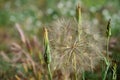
(32, 14)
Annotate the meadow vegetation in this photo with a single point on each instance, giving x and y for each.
(59, 40)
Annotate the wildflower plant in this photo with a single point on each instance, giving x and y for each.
(106, 59)
(74, 47)
(47, 56)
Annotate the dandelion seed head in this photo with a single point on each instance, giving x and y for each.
(67, 50)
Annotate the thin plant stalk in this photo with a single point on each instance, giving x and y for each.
(114, 76)
(47, 56)
(75, 70)
(105, 74)
(75, 75)
(78, 18)
(83, 75)
(107, 62)
(49, 71)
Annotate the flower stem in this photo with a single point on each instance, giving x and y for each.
(107, 62)
(49, 72)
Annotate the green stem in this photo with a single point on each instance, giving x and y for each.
(74, 63)
(108, 39)
(107, 59)
(79, 31)
(104, 77)
(49, 72)
(75, 75)
(107, 62)
(83, 76)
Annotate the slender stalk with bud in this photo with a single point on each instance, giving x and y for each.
(79, 25)
(47, 56)
(78, 18)
(107, 62)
